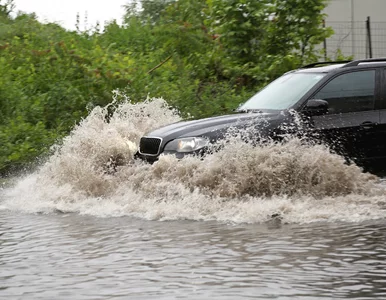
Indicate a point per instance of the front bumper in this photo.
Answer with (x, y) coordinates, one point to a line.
(179, 155)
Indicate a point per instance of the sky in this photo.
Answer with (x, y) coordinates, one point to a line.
(64, 11)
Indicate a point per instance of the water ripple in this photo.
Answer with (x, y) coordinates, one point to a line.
(70, 256)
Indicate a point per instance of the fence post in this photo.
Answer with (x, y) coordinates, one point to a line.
(368, 29)
(353, 52)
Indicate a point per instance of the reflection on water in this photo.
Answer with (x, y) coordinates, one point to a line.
(66, 256)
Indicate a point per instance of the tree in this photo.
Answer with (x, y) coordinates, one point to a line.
(268, 37)
(296, 25)
(149, 10)
(6, 7)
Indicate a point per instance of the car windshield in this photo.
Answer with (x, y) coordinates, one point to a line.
(283, 92)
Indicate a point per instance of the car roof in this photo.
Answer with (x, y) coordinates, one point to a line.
(324, 69)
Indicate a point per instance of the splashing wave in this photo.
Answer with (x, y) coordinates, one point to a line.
(239, 183)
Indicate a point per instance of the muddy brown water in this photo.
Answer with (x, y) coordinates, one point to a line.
(68, 256)
(197, 228)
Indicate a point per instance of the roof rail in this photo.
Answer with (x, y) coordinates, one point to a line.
(326, 63)
(368, 60)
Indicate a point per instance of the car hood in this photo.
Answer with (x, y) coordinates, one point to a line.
(215, 127)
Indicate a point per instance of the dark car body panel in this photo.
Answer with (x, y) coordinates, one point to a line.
(215, 127)
(346, 134)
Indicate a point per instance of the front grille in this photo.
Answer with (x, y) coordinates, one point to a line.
(149, 145)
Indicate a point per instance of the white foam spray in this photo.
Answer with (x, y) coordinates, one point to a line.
(239, 183)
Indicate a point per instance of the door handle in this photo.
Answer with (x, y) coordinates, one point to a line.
(368, 125)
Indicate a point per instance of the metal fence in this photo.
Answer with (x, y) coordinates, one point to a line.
(360, 39)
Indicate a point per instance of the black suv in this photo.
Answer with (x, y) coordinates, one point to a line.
(340, 103)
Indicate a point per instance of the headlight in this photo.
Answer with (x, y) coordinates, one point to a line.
(189, 144)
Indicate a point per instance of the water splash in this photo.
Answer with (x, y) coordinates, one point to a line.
(238, 183)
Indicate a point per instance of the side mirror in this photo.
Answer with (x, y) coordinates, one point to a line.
(316, 107)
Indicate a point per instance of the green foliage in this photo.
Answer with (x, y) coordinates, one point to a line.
(266, 37)
(21, 142)
(6, 7)
(204, 57)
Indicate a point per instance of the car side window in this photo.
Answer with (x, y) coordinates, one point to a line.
(349, 92)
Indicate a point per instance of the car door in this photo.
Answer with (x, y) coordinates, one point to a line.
(381, 145)
(351, 126)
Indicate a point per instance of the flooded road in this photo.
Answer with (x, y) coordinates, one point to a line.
(67, 256)
(274, 221)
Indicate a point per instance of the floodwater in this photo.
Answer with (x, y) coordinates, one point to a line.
(280, 221)
(67, 256)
